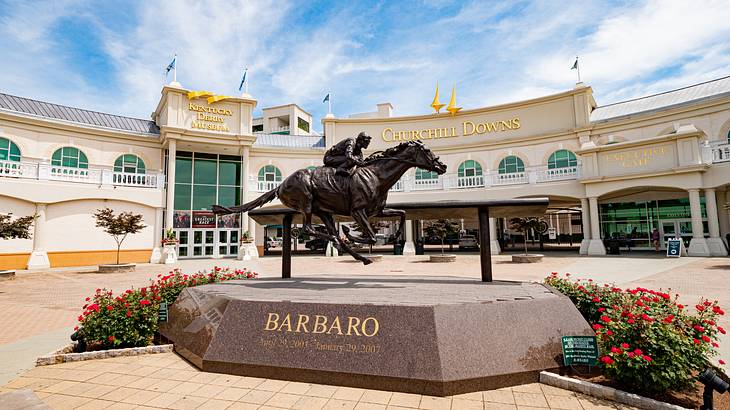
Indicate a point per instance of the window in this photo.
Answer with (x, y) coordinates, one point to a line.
(258, 128)
(8, 150)
(130, 164)
(311, 167)
(69, 157)
(562, 159)
(469, 168)
(303, 125)
(728, 137)
(269, 173)
(422, 174)
(511, 165)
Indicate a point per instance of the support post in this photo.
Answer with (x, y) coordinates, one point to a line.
(286, 247)
(485, 253)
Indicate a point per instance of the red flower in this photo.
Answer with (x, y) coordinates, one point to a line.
(721, 361)
(705, 338)
(111, 338)
(721, 330)
(609, 332)
(630, 321)
(144, 302)
(596, 326)
(81, 318)
(699, 328)
(605, 319)
(637, 351)
(630, 354)
(668, 319)
(87, 299)
(615, 349)
(625, 345)
(109, 308)
(129, 313)
(596, 299)
(647, 358)
(715, 344)
(601, 309)
(696, 341)
(76, 328)
(607, 360)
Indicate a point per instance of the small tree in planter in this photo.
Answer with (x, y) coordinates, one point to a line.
(246, 237)
(118, 226)
(526, 224)
(441, 228)
(15, 229)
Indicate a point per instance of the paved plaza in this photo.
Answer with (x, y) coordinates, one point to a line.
(38, 311)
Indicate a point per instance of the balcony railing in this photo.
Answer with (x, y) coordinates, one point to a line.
(98, 176)
(718, 152)
(266, 186)
(512, 178)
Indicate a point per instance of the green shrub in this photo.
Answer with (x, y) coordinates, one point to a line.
(130, 319)
(648, 341)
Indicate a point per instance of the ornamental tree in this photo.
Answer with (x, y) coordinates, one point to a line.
(526, 224)
(15, 229)
(441, 228)
(118, 226)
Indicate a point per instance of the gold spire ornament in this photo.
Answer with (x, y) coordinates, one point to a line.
(436, 105)
(452, 108)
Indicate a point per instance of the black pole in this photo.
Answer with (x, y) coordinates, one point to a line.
(286, 247)
(485, 252)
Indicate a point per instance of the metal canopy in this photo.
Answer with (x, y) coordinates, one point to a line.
(467, 210)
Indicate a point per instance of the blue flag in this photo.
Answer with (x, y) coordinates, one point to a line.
(243, 79)
(171, 65)
(327, 98)
(575, 65)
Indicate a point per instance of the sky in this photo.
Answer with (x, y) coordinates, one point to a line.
(110, 56)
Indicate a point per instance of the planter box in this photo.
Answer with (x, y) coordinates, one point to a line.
(66, 354)
(527, 258)
(442, 258)
(113, 268)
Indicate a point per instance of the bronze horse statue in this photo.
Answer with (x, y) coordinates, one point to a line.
(362, 195)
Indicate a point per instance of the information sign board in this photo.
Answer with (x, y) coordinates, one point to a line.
(674, 248)
(580, 350)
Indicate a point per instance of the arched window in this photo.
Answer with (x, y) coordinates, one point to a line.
(269, 177)
(129, 164)
(562, 159)
(69, 157)
(311, 167)
(422, 174)
(469, 168)
(8, 150)
(510, 165)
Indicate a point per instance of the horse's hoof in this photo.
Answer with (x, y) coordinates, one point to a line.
(367, 261)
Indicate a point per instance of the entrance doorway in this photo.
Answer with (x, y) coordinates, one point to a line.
(207, 243)
(678, 228)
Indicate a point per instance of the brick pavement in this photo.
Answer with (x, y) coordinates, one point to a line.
(167, 381)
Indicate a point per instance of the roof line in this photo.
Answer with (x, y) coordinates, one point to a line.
(665, 92)
(76, 108)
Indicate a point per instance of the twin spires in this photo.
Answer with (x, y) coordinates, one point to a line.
(452, 108)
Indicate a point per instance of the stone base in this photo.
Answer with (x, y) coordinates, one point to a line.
(717, 247)
(595, 247)
(170, 255)
(527, 258)
(698, 247)
(38, 260)
(113, 268)
(247, 252)
(442, 258)
(331, 250)
(7, 274)
(494, 247)
(409, 249)
(428, 335)
(156, 256)
(584, 247)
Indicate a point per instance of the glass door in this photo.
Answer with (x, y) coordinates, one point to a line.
(183, 249)
(668, 231)
(227, 242)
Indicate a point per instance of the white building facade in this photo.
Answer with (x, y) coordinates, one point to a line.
(613, 172)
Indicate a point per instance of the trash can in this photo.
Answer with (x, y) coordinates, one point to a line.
(419, 247)
(613, 247)
(397, 249)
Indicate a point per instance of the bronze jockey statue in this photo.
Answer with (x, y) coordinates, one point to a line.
(347, 154)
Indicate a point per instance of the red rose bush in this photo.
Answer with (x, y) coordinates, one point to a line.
(130, 318)
(647, 340)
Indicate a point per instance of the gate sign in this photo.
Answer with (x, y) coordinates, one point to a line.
(580, 350)
(203, 219)
(674, 248)
(552, 233)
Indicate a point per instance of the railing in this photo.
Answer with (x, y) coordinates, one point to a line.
(98, 176)
(475, 181)
(427, 184)
(398, 187)
(557, 174)
(512, 178)
(266, 186)
(719, 152)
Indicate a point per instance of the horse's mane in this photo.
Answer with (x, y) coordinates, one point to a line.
(390, 152)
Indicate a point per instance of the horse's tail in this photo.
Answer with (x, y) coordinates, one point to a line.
(263, 199)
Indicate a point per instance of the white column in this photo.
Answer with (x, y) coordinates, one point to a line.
(39, 257)
(493, 237)
(698, 244)
(409, 248)
(170, 204)
(714, 242)
(724, 216)
(595, 246)
(157, 241)
(586, 219)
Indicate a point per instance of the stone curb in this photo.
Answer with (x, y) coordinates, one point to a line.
(605, 392)
(65, 355)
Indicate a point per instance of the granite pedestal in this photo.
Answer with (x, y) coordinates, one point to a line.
(434, 336)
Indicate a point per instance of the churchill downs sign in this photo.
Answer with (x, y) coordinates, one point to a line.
(466, 129)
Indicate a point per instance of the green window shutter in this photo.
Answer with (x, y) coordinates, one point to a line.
(511, 165)
(562, 159)
(8, 150)
(424, 174)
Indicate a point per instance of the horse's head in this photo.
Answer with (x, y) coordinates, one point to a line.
(422, 157)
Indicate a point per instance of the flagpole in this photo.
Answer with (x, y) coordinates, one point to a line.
(329, 104)
(577, 67)
(174, 69)
(248, 78)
